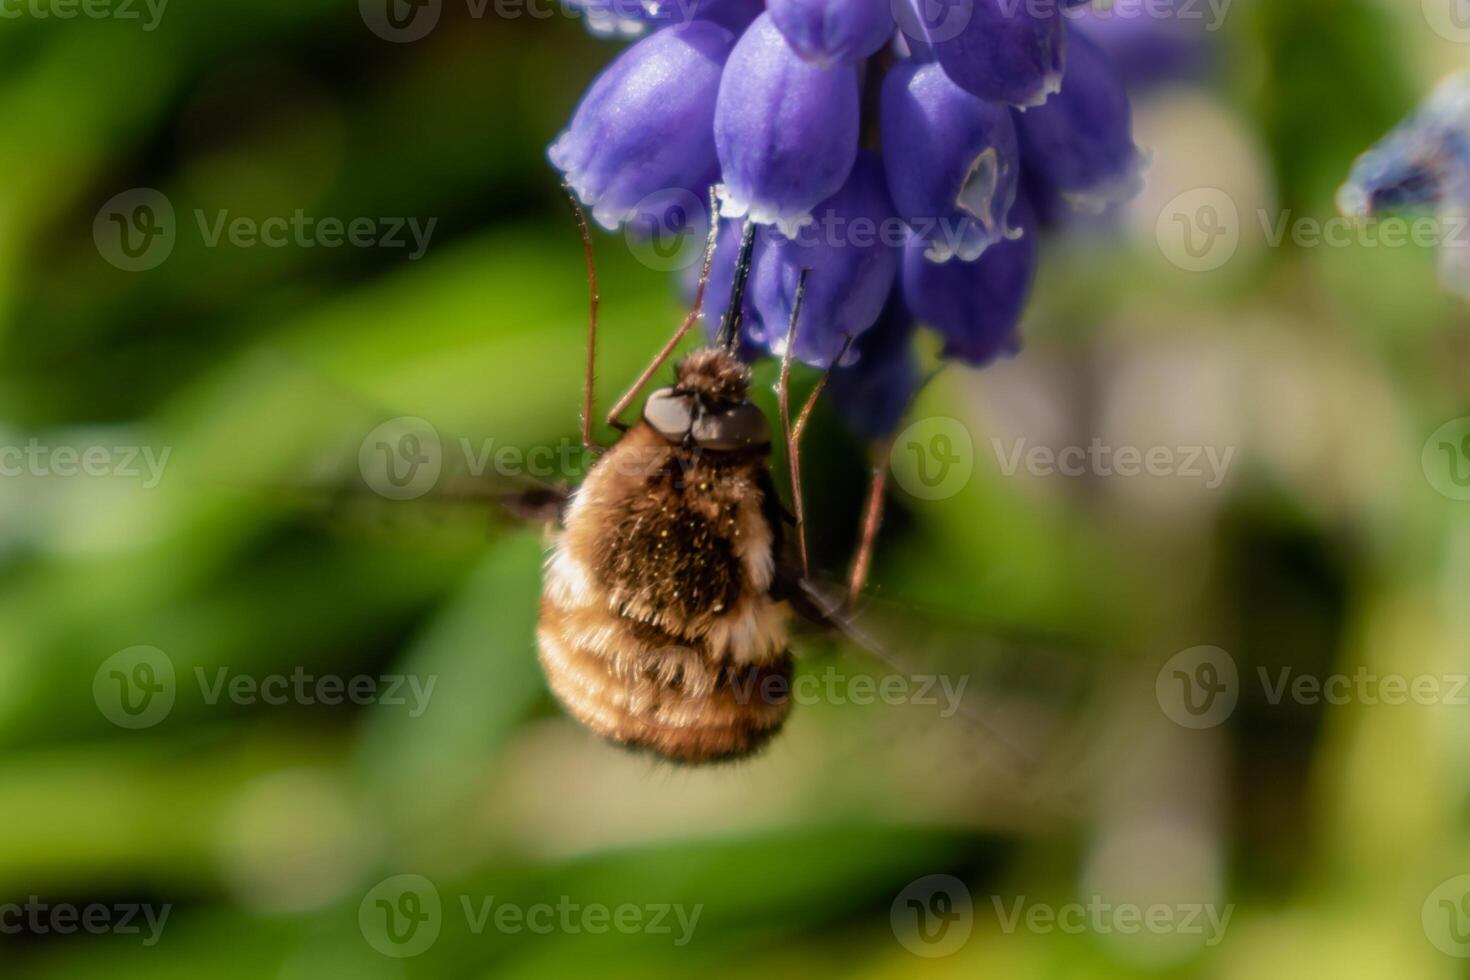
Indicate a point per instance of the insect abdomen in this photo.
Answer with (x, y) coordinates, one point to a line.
(667, 699)
(657, 626)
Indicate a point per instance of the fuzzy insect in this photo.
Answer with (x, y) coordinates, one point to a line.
(667, 596)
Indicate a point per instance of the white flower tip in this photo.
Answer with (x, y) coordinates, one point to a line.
(601, 23)
(730, 205)
(1105, 193)
(790, 226)
(940, 252)
(1051, 84)
(558, 150)
(1352, 202)
(733, 205)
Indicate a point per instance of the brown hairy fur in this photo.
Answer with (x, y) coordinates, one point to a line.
(658, 629)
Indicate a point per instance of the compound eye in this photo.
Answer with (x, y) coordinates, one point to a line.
(743, 427)
(669, 413)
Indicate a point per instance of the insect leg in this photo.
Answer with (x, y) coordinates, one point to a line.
(684, 328)
(589, 387)
(873, 508)
(872, 521)
(783, 399)
(792, 432)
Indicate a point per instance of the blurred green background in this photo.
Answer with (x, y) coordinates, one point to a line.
(270, 831)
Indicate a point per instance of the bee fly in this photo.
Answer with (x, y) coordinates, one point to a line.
(666, 598)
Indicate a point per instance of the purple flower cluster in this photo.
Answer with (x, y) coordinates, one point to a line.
(901, 159)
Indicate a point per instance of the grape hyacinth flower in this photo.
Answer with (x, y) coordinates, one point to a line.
(786, 131)
(827, 32)
(976, 307)
(872, 395)
(1423, 163)
(1010, 51)
(852, 271)
(953, 163)
(646, 126)
(1148, 50)
(930, 224)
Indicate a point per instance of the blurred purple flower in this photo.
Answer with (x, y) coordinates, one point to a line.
(1079, 146)
(1147, 49)
(1423, 163)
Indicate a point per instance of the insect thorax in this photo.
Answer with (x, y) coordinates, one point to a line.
(675, 535)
